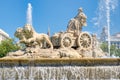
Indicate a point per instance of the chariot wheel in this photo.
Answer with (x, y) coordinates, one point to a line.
(55, 41)
(66, 41)
(84, 41)
(40, 45)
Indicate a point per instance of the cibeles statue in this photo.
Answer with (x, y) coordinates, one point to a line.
(31, 38)
(75, 24)
(72, 43)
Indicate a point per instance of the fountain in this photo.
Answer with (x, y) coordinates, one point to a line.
(109, 6)
(29, 14)
(104, 16)
(108, 23)
(59, 69)
(70, 55)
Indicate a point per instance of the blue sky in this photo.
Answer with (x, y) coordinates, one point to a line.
(52, 13)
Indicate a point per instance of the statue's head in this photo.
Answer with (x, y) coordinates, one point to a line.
(27, 27)
(80, 10)
(19, 33)
(19, 30)
(82, 17)
(28, 30)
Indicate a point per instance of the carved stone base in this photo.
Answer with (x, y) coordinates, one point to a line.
(56, 53)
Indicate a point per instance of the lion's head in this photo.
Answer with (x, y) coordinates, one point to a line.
(28, 31)
(19, 33)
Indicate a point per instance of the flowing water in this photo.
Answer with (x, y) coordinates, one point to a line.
(29, 14)
(103, 19)
(60, 73)
(108, 22)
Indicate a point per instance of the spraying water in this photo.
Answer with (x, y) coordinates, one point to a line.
(60, 73)
(108, 23)
(103, 18)
(110, 5)
(29, 14)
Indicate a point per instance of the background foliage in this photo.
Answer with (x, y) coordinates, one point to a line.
(8, 45)
(113, 49)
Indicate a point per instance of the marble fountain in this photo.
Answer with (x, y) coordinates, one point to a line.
(69, 55)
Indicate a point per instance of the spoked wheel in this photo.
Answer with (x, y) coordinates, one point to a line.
(66, 41)
(55, 41)
(84, 41)
(41, 45)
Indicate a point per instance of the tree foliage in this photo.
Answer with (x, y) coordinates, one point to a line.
(113, 49)
(6, 46)
(104, 47)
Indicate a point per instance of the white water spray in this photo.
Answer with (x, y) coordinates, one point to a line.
(110, 5)
(59, 73)
(103, 18)
(108, 23)
(29, 14)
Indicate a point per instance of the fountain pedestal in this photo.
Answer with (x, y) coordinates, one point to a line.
(60, 62)
(59, 69)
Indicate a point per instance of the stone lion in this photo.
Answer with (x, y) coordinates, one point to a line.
(36, 37)
(20, 34)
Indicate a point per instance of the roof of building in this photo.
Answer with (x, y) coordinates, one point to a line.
(115, 37)
(4, 33)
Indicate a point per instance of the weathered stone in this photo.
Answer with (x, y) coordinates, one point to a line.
(31, 38)
(68, 52)
(40, 46)
(17, 53)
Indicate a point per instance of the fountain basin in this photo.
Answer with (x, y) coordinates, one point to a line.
(60, 69)
(60, 62)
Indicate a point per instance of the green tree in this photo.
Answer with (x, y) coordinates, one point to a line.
(6, 46)
(113, 49)
(104, 47)
(117, 52)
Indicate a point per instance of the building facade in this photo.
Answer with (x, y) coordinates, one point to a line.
(115, 40)
(3, 35)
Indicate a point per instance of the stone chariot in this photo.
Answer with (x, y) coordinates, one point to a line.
(74, 37)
